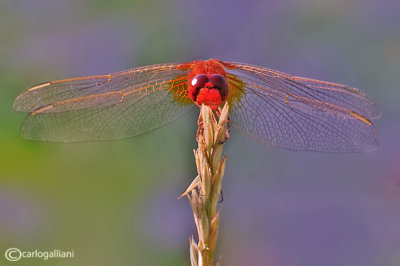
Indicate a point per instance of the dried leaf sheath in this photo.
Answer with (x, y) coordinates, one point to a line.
(204, 191)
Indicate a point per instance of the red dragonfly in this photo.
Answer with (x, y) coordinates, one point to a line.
(272, 107)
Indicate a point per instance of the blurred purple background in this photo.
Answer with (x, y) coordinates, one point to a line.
(115, 203)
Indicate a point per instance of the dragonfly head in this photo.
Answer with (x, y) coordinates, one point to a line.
(210, 90)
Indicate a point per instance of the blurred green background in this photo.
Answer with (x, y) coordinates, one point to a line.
(115, 203)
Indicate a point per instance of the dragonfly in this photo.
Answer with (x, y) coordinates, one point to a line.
(272, 107)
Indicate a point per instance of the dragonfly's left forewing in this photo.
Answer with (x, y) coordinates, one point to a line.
(289, 112)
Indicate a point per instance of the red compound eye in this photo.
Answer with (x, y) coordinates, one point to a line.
(220, 83)
(199, 81)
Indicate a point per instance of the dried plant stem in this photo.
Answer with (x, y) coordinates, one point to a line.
(204, 191)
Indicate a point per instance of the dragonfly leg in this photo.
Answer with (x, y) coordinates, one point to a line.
(221, 197)
(199, 127)
(228, 132)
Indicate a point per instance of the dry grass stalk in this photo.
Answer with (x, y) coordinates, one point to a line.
(204, 191)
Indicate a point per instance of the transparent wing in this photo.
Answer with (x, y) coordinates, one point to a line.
(105, 107)
(83, 92)
(301, 114)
